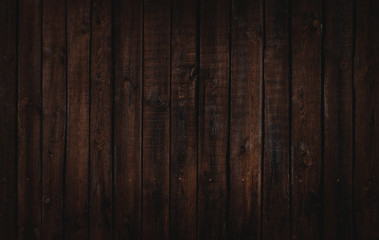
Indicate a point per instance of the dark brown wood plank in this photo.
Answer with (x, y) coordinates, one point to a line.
(77, 155)
(366, 84)
(338, 115)
(276, 168)
(156, 120)
(306, 121)
(101, 121)
(8, 111)
(127, 118)
(246, 119)
(29, 120)
(213, 119)
(184, 75)
(53, 117)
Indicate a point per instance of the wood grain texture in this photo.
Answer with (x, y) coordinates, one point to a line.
(101, 154)
(53, 117)
(213, 120)
(29, 120)
(306, 139)
(246, 119)
(184, 76)
(338, 160)
(366, 84)
(78, 107)
(276, 168)
(127, 118)
(8, 122)
(156, 120)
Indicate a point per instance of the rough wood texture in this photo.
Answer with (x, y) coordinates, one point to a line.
(53, 117)
(127, 118)
(338, 160)
(8, 122)
(213, 120)
(276, 168)
(78, 109)
(246, 119)
(366, 85)
(156, 120)
(100, 215)
(29, 120)
(306, 139)
(184, 76)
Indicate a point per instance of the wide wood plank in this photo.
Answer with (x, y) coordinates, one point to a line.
(306, 118)
(53, 117)
(100, 214)
(366, 84)
(8, 121)
(338, 115)
(246, 119)
(127, 118)
(156, 120)
(78, 105)
(29, 120)
(276, 167)
(184, 75)
(213, 120)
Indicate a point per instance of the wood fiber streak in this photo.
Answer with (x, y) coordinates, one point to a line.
(338, 162)
(156, 120)
(366, 84)
(213, 119)
(78, 107)
(8, 111)
(53, 117)
(306, 121)
(101, 121)
(184, 76)
(127, 118)
(276, 168)
(29, 120)
(246, 119)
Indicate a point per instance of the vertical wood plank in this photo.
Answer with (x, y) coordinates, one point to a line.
(53, 117)
(246, 119)
(306, 118)
(156, 120)
(29, 120)
(366, 84)
(184, 74)
(213, 119)
(78, 104)
(8, 111)
(338, 115)
(128, 31)
(276, 168)
(100, 214)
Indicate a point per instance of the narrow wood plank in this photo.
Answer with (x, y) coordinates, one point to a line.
(156, 120)
(246, 119)
(8, 111)
(276, 168)
(77, 159)
(53, 117)
(29, 120)
(184, 75)
(366, 84)
(127, 118)
(101, 121)
(306, 121)
(338, 160)
(213, 119)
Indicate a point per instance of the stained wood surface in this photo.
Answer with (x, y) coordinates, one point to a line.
(180, 119)
(338, 115)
